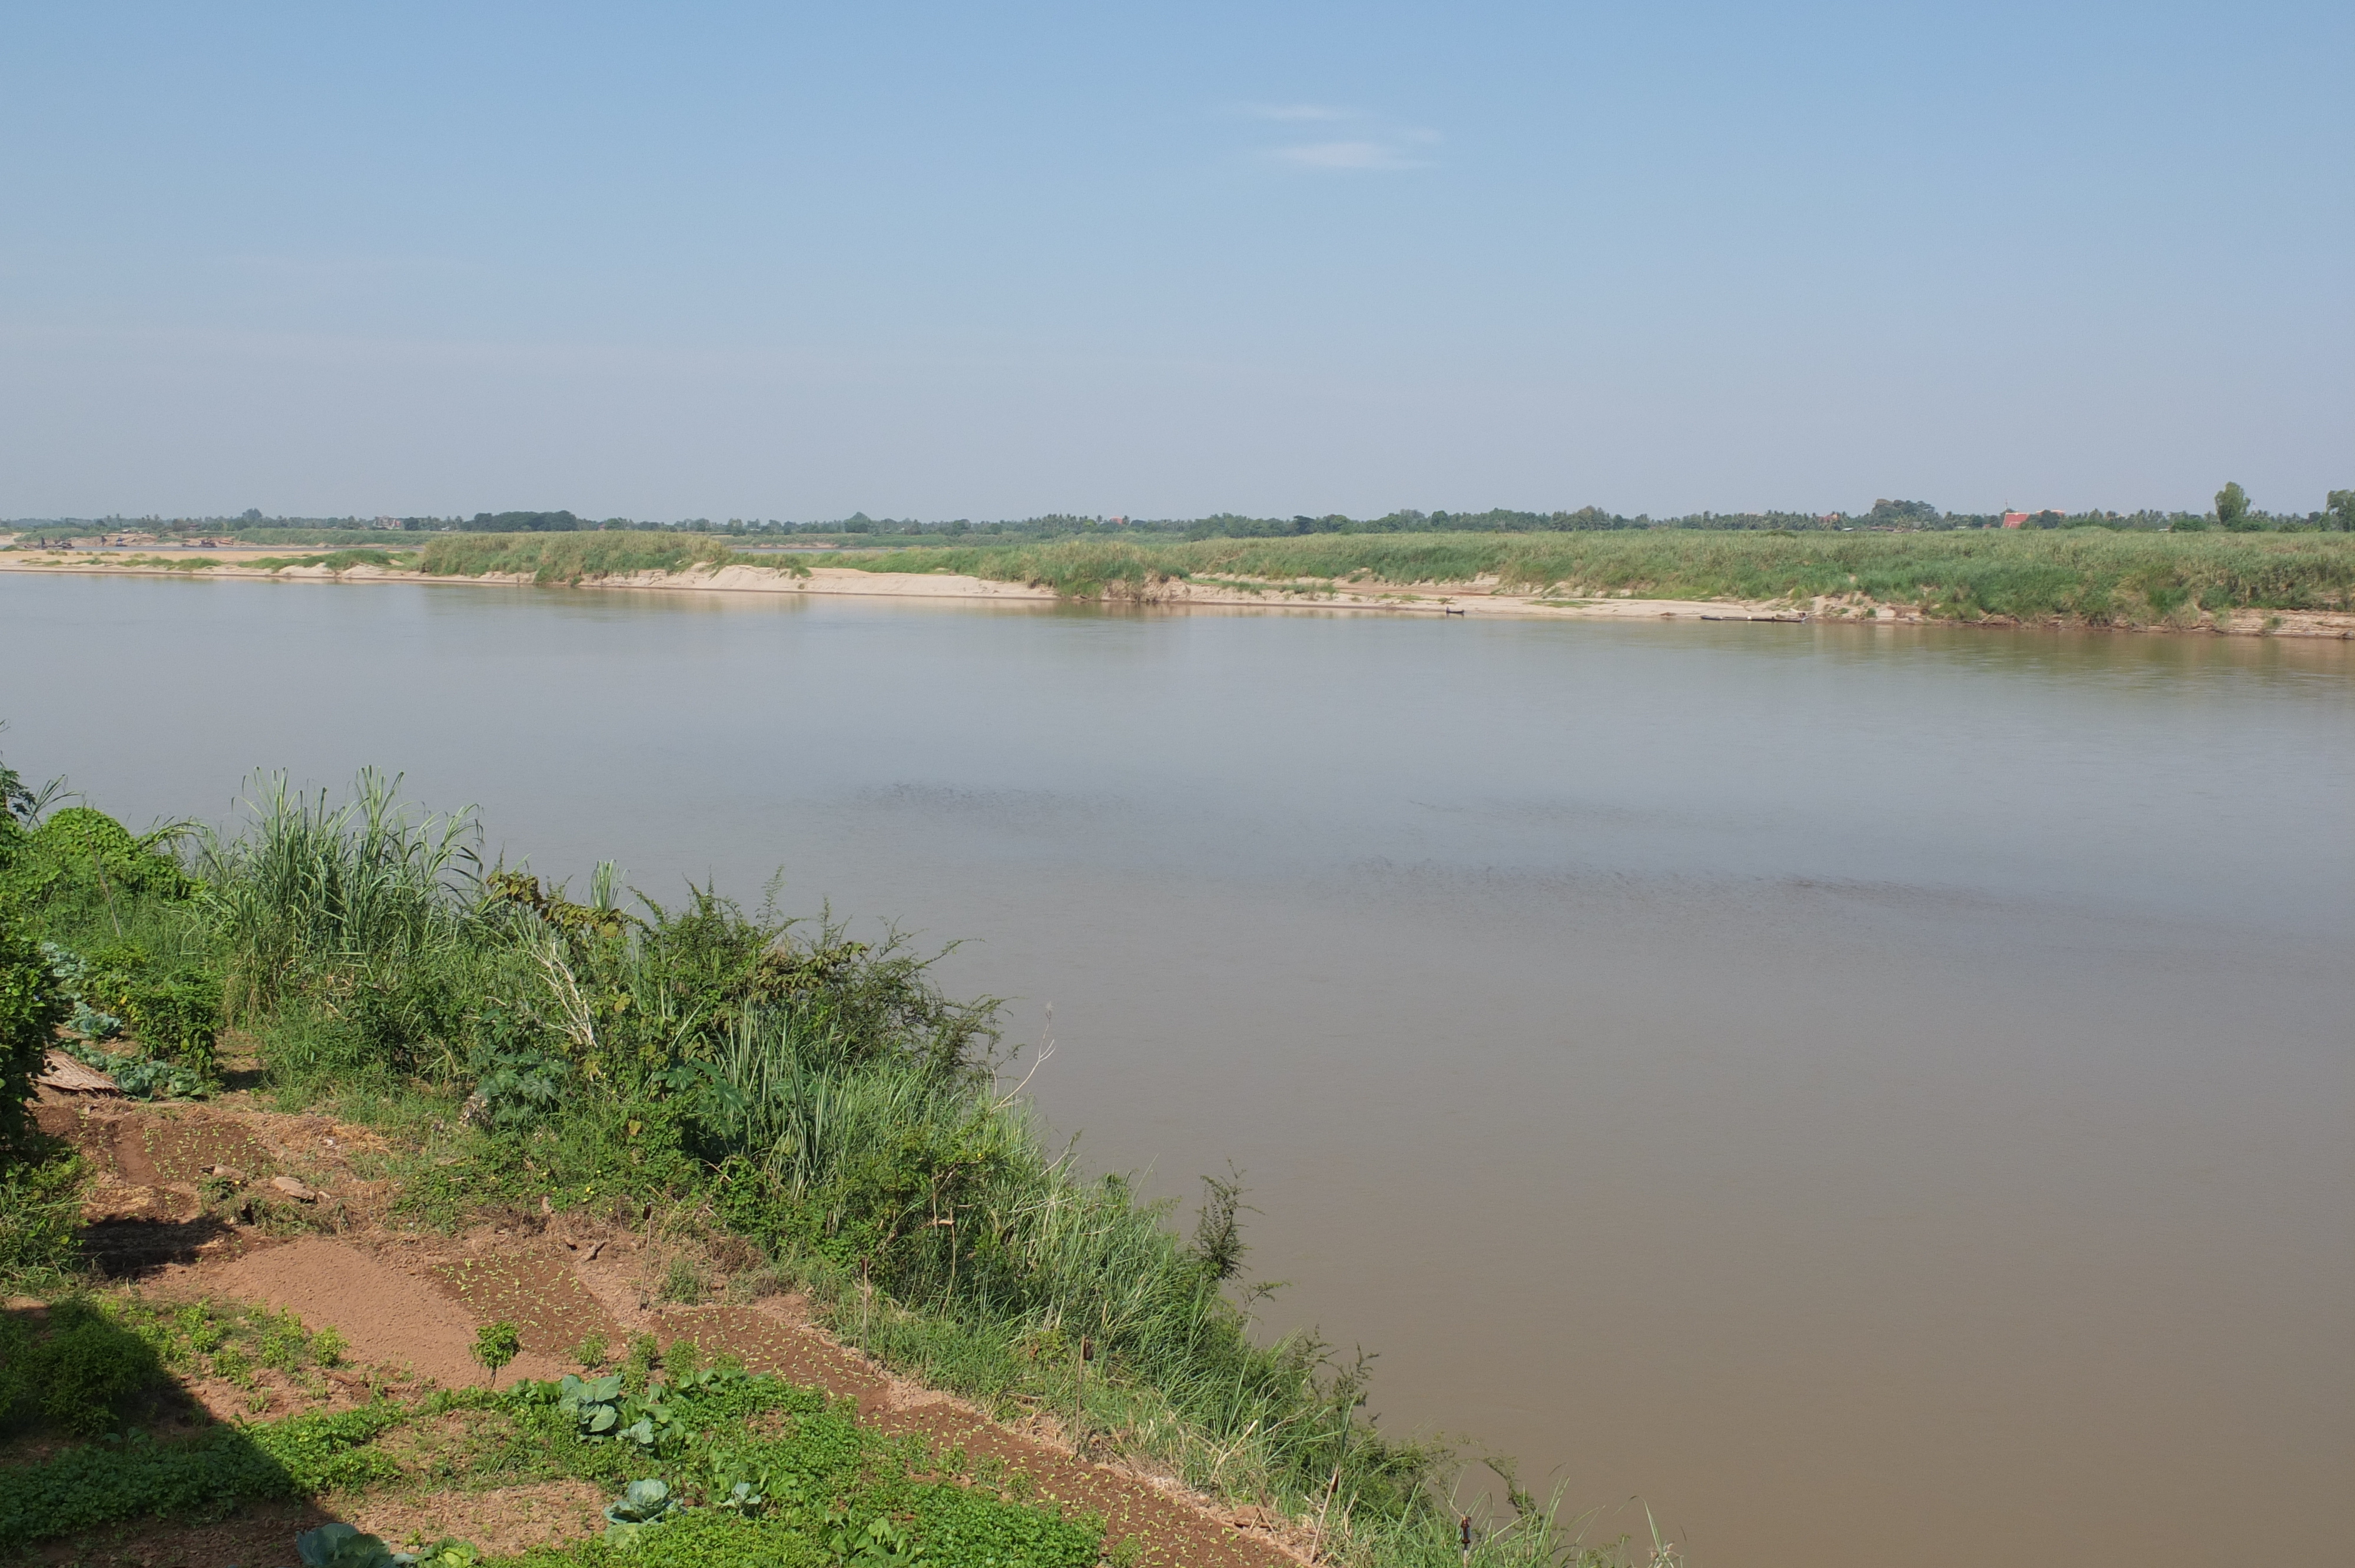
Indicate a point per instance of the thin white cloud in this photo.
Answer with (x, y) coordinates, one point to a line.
(1297, 112)
(1334, 156)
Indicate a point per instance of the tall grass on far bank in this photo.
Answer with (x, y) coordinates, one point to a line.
(2093, 575)
(569, 557)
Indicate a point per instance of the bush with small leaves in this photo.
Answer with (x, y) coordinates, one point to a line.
(495, 1345)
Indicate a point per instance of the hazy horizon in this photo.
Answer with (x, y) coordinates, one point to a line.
(721, 261)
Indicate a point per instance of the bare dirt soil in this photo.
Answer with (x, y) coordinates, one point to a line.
(184, 1205)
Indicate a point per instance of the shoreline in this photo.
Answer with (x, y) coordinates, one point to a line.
(1482, 599)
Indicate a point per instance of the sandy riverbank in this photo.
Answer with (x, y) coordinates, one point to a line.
(1482, 599)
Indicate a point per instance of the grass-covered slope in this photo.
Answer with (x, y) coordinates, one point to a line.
(2087, 574)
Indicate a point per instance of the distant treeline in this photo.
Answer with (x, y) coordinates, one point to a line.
(2233, 512)
(1897, 516)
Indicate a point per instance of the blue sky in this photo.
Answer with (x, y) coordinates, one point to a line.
(991, 260)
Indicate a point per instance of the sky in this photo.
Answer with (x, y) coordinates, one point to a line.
(994, 261)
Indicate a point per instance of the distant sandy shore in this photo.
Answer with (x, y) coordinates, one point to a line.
(1474, 599)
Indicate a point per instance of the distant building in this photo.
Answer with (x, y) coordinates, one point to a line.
(2014, 519)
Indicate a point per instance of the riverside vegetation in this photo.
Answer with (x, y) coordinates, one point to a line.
(730, 1075)
(2092, 576)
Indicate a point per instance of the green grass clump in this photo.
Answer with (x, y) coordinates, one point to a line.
(569, 557)
(166, 563)
(2090, 574)
(73, 1373)
(334, 560)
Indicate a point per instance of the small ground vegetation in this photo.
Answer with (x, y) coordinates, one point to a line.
(731, 1467)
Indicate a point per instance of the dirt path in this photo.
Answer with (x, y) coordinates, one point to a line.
(411, 1303)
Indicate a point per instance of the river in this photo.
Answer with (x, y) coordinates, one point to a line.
(1879, 1094)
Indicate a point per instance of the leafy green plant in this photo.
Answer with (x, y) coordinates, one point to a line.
(178, 1014)
(643, 1506)
(495, 1346)
(72, 972)
(594, 1404)
(341, 1546)
(882, 1542)
(518, 1077)
(32, 1004)
(745, 1498)
(148, 1077)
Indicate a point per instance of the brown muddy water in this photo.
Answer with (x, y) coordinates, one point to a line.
(1881, 1096)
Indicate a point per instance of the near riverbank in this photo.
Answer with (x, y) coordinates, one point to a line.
(2274, 584)
(331, 1111)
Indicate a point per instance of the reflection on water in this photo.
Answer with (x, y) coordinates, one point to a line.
(1880, 1093)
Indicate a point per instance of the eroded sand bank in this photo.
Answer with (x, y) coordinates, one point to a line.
(1479, 597)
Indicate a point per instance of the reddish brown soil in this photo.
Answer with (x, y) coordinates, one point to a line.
(536, 1292)
(407, 1301)
(390, 1316)
(509, 1519)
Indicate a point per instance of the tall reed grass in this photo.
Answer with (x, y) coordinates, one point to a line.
(568, 557)
(370, 881)
(932, 1187)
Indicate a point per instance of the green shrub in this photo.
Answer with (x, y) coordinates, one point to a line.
(132, 863)
(41, 1213)
(169, 1013)
(495, 1346)
(32, 1005)
(74, 1373)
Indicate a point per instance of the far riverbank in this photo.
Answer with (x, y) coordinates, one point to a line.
(2294, 586)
